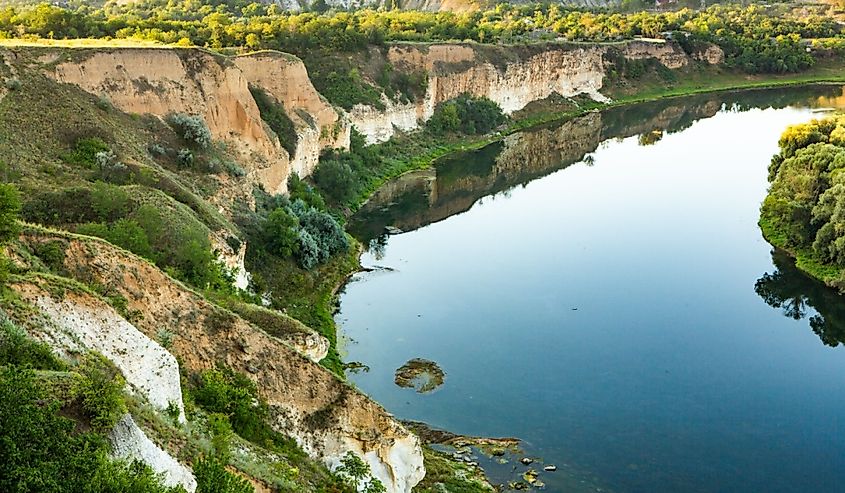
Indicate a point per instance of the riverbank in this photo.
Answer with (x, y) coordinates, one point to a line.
(804, 260)
(725, 84)
(419, 150)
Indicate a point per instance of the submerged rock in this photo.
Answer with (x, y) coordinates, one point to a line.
(420, 374)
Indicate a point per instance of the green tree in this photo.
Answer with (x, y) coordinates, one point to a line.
(10, 206)
(280, 233)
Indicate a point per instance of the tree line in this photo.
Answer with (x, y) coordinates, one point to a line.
(755, 38)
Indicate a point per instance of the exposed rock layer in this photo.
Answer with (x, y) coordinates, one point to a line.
(326, 416)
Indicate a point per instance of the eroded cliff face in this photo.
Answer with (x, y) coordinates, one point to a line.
(166, 81)
(327, 417)
(669, 54)
(512, 76)
(78, 322)
(129, 442)
(318, 124)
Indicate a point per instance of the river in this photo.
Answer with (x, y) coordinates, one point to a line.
(601, 290)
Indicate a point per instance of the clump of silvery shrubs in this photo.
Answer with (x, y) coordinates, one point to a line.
(13, 84)
(111, 170)
(185, 158)
(192, 128)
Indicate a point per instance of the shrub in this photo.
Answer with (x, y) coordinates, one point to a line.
(18, 350)
(222, 390)
(233, 395)
(71, 205)
(156, 150)
(52, 253)
(192, 128)
(234, 169)
(85, 151)
(103, 103)
(101, 391)
(125, 233)
(356, 473)
(10, 207)
(467, 115)
(109, 201)
(109, 168)
(13, 84)
(324, 230)
(41, 451)
(336, 179)
(212, 477)
(309, 251)
(280, 235)
(299, 190)
(185, 158)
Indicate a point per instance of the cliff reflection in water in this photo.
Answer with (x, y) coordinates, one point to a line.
(796, 294)
(457, 182)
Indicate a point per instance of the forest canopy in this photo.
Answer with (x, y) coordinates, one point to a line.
(804, 211)
(755, 38)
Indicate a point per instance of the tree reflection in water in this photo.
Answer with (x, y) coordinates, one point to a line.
(795, 294)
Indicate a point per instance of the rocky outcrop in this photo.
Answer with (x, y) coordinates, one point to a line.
(326, 416)
(129, 442)
(511, 76)
(232, 253)
(165, 81)
(82, 322)
(669, 54)
(711, 54)
(318, 124)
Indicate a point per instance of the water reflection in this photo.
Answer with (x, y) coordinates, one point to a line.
(459, 181)
(796, 295)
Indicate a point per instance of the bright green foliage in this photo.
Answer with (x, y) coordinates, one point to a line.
(85, 151)
(805, 207)
(300, 190)
(212, 477)
(357, 473)
(467, 115)
(280, 233)
(221, 434)
(233, 396)
(110, 202)
(222, 390)
(10, 206)
(125, 233)
(101, 391)
(273, 113)
(41, 451)
(16, 349)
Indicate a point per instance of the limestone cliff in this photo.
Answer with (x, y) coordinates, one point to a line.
(193, 81)
(512, 76)
(326, 416)
(165, 81)
(318, 125)
(75, 323)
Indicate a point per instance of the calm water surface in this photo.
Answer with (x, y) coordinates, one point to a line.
(601, 290)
